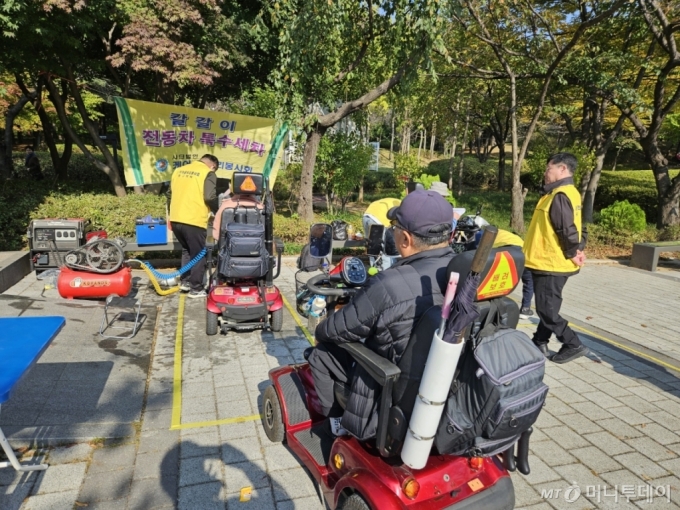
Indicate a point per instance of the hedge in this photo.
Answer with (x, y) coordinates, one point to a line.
(636, 186)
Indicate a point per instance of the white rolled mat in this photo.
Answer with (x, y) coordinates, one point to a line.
(434, 388)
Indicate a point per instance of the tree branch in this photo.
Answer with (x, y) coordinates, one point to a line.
(352, 106)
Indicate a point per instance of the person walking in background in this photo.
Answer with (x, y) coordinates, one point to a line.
(32, 164)
(553, 251)
(505, 238)
(193, 190)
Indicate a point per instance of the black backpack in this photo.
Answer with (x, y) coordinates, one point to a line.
(497, 393)
(306, 262)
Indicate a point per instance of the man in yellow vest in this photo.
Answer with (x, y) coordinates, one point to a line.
(553, 249)
(505, 238)
(194, 196)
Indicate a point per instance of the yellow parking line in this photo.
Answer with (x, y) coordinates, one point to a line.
(626, 348)
(175, 423)
(292, 311)
(177, 375)
(619, 345)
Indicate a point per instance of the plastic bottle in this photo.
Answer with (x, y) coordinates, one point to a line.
(318, 306)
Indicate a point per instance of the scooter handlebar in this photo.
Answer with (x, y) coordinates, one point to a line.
(325, 291)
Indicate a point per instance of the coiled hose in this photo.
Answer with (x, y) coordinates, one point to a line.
(155, 275)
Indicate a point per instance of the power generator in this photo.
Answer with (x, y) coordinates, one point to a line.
(50, 239)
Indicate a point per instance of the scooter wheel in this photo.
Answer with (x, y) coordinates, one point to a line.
(211, 324)
(272, 419)
(277, 320)
(354, 502)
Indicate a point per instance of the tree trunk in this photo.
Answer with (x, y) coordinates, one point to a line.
(668, 190)
(501, 165)
(591, 188)
(461, 162)
(305, 203)
(111, 172)
(455, 141)
(432, 139)
(616, 158)
(392, 138)
(518, 194)
(59, 163)
(10, 115)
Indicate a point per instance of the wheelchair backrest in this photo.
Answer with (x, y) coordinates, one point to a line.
(247, 183)
(501, 274)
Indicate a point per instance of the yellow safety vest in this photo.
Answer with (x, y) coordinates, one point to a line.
(188, 203)
(542, 250)
(505, 238)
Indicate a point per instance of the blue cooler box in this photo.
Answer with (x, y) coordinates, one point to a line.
(151, 231)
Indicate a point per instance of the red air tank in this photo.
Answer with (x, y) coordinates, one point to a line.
(83, 284)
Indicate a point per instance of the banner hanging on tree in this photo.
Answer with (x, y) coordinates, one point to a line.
(157, 138)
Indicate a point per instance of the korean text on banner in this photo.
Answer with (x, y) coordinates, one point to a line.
(157, 138)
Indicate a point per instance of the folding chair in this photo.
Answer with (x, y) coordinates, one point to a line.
(133, 306)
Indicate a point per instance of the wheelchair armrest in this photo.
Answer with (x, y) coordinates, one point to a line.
(385, 373)
(280, 247)
(379, 368)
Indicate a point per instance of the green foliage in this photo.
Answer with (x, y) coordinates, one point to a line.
(407, 166)
(341, 49)
(342, 161)
(113, 214)
(670, 129)
(636, 186)
(260, 102)
(475, 174)
(376, 182)
(623, 217)
(542, 150)
(287, 186)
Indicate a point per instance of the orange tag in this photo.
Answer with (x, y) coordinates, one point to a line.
(475, 485)
(248, 184)
(501, 279)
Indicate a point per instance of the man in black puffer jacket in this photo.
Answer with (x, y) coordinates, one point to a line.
(383, 314)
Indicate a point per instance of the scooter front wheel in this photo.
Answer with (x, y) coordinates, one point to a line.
(211, 323)
(272, 418)
(354, 502)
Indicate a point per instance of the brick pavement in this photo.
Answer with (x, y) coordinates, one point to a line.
(611, 419)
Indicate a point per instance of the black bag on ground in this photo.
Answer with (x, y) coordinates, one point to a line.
(497, 394)
(339, 230)
(306, 262)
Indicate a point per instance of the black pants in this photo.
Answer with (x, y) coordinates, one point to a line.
(527, 288)
(330, 363)
(192, 239)
(548, 289)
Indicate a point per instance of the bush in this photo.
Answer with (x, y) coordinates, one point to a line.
(406, 166)
(636, 186)
(376, 182)
(475, 174)
(108, 212)
(623, 217)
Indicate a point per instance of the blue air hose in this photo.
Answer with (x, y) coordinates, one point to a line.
(179, 272)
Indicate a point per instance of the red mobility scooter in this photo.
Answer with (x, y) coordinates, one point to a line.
(356, 475)
(242, 294)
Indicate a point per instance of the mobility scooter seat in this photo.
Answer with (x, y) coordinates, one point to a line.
(400, 382)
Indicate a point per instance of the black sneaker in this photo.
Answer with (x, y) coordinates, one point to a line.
(543, 348)
(568, 354)
(525, 313)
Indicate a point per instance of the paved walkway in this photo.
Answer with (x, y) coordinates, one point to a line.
(611, 420)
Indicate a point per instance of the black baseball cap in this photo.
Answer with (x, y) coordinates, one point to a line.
(422, 210)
